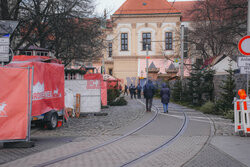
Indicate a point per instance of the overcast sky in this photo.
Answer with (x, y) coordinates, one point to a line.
(112, 5)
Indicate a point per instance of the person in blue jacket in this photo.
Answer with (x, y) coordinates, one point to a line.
(138, 88)
(149, 91)
(165, 97)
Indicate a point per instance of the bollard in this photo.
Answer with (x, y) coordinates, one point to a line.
(78, 105)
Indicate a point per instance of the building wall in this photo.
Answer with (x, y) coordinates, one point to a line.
(130, 63)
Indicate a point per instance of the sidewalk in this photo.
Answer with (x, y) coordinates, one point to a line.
(227, 141)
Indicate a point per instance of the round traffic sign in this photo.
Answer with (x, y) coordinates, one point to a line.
(244, 45)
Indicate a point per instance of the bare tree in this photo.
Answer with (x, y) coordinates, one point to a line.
(217, 26)
(67, 27)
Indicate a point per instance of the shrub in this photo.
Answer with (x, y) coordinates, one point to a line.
(157, 93)
(229, 115)
(120, 101)
(112, 95)
(208, 108)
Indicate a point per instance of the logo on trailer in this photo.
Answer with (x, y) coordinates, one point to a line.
(38, 88)
(40, 93)
(3, 113)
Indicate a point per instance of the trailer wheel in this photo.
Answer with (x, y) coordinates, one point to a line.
(52, 121)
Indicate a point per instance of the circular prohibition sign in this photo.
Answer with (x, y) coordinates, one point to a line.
(244, 45)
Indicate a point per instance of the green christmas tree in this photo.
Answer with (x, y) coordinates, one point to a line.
(194, 85)
(227, 96)
(176, 91)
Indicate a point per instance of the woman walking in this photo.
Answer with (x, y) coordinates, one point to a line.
(165, 96)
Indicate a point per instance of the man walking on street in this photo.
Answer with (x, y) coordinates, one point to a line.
(165, 96)
(138, 88)
(131, 91)
(125, 89)
(134, 91)
(149, 91)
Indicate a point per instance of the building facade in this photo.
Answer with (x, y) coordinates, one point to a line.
(141, 30)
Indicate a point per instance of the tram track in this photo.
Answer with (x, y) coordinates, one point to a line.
(164, 145)
(98, 146)
(137, 159)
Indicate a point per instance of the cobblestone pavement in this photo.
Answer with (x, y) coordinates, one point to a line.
(164, 127)
(93, 130)
(77, 129)
(211, 156)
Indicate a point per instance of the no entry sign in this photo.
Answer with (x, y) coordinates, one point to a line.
(244, 45)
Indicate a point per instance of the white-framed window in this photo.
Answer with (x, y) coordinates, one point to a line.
(110, 49)
(168, 41)
(146, 40)
(124, 41)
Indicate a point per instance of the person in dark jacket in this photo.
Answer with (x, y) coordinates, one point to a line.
(134, 91)
(131, 91)
(149, 91)
(126, 90)
(138, 88)
(165, 97)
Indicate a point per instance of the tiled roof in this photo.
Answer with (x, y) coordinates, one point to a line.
(131, 7)
(184, 7)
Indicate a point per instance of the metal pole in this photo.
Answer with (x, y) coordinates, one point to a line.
(147, 61)
(248, 18)
(247, 83)
(182, 51)
(30, 94)
(248, 33)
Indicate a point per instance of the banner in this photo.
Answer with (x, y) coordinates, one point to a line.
(13, 103)
(48, 86)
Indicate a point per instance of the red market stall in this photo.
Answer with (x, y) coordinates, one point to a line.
(102, 84)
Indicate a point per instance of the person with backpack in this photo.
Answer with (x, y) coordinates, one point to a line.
(149, 91)
(165, 97)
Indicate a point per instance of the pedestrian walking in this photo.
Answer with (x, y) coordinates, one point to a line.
(131, 91)
(138, 88)
(134, 91)
(125, 89)
(165, 97)
(149, 91)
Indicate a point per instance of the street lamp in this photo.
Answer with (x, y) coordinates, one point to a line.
(147, 61)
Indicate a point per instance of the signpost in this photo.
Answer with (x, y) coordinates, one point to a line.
(244, 45)
(245, 70)
(244, 62)
(4, 48)
(7, 27)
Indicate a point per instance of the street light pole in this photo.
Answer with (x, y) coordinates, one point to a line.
(182, 52)
(147, 61)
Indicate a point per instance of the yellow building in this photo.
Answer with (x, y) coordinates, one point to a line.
(135, 24)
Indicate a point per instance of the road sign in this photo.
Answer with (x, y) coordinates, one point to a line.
(245, 70)
(4, 48)
(244, 45)
(243, 61)
(4, 57)
(7, 26)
